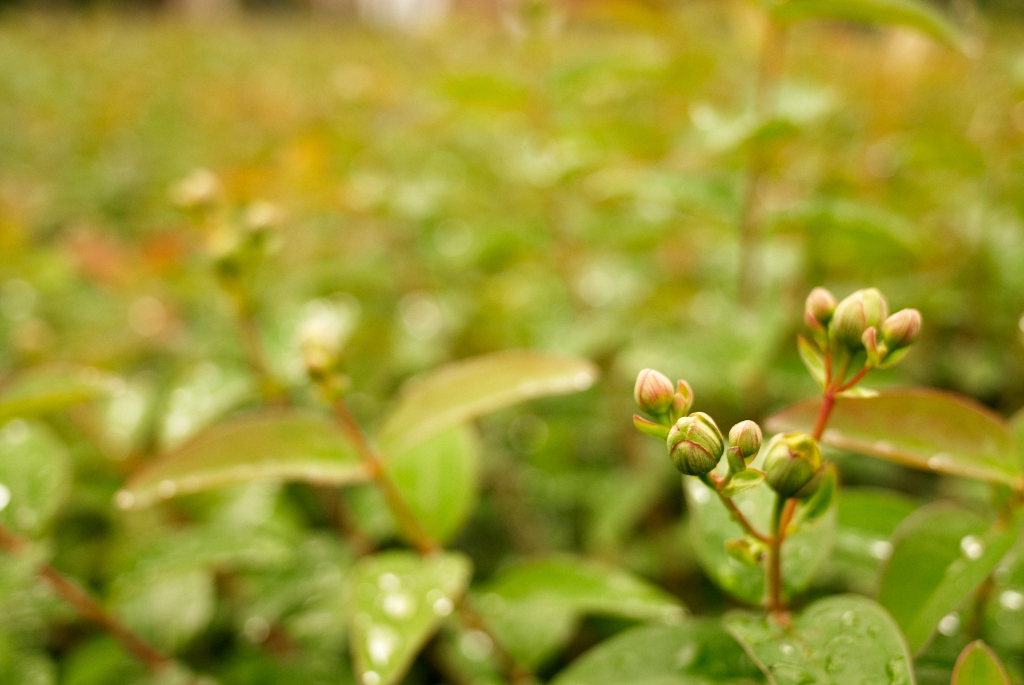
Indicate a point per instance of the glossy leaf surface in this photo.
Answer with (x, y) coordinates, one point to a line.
(464, 390)
(914, 14)
(834, 641)
(398, 600)
(275, 446)
(711, 527)
(698, 652)
(926, 429)
(978, 665)
(35, 475)
(534, 606)
(48, 389)
(940, 555)
(440, 479)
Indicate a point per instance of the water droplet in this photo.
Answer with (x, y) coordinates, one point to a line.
(124, 499)
(582, 380)
(949, 624)
(701, 494)
(972, 547)
(398, 605)
(443, 606)
(880, 549)
(371, 678)
(389, 582)
(1012, 600)
(786, 648)
(476, 645)
(938, 460)
(849, 618)
(381, 643)
(5, 496)
(166, 489)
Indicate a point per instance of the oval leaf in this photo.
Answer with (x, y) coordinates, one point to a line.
(711, 527)
(273, 446)
(698, 652)
(913, 14)
(465, 390)
(1004, 622)
(978, 665)
(926, 429)
(440, 479)
(398, 600)
(534, 606)
(49, 389)
(834, 641)
(941, 554)
(35, 475)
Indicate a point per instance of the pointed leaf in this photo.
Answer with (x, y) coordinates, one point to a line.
(834, 641)
(923, 428)
(978, 665)
(711, 527)
(812, 359)
(398, 600)
(915, 14)
(168, 608)
(534, 606)
(1004, 622)
(440, 479)
(698, 652)
(747, 479)
(35, 475)
(272, 446)
(465, 390)
(941, 554)
(49, 389)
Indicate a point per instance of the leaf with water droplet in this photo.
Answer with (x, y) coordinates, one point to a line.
(35, 475)
(167, 608)
(271, 446)
(941, 553)
(711, 526)
(1004, 619)
(467, 389)
(697, 652)
(978, 665)
(397, 600)
(50, 389)
(923, 428)
(535, 606)
(834, 641)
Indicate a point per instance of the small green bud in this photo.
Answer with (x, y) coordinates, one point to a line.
(819, 307)
(742, 551)
(695, 444)
(856, 313)
(876, 349)
(792, 464)
(737, 464)
(653, 392)
(902, 329)
(746, 435)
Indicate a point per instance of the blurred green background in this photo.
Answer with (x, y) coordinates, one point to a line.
(565, 178)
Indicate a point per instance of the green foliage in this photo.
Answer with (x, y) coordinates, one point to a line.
(915, 14)
(978, 665)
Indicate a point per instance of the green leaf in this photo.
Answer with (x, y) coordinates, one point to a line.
(711, 527)
(748, 479)
(812, 359)
(1004, 620)
(465, 390)
(940, 555)
(272, 446)
(168, 608)
(835, 641)
(35, 475)
(49, 389)
(923, 428)
(698, 652)
(534, 606)
(978, 665)
(398, 600)
(866, 519)
(820, 502)
(440, 479)
(915, 14)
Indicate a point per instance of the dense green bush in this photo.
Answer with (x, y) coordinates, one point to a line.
(246, 411)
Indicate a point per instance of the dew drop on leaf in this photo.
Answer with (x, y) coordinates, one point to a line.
(1012, 600)
(949, 624)
(972, 547)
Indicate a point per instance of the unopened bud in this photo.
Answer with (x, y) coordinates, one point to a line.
(262, 216)
(199, 190)
(819, 307)
(876, 349)
(792, 464)
(653, 392)
(856, 313)
(902, 329)
(742, 551)
(747, 436)
(695, 444)
(682, 401)
(322, 335)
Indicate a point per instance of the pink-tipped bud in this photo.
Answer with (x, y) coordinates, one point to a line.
(856, 313)
(653, 392)
(902, 328)
(819, 307)
(746, 435)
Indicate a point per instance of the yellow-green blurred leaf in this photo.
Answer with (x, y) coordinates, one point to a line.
(978, 665)
(915, 14)
(49, 389)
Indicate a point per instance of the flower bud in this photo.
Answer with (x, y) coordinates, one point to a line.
(682, 401)
(695, 444)
(322, 335)
(902, 329)
(747, 436)
(653, 392)
(792, 464)
(856, 313)
(876, 349)
(199, 190)
(819, 307)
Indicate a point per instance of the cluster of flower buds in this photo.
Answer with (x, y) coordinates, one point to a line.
(695, 444)
(861, 323)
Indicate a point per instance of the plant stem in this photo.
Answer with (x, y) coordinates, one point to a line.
(712, 482)
(252, 342)
(828, 401)
(769, 71)
(87, 607)
(775, 603)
